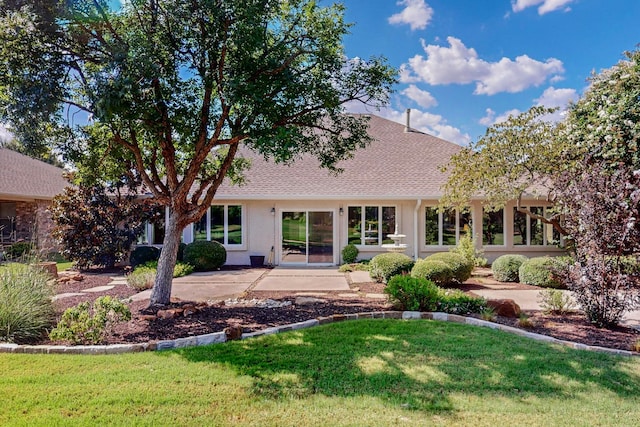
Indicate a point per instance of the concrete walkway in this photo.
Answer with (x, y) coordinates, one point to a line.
(303, 279)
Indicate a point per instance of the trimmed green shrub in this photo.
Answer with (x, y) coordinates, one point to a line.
(84, 325)
(142, 277)
(505, 268)
(205, 255)
(143, 254)
(350, 254)
(181, 247)
(26, 310)
(384, 266)
(539, 272)
(459, 265)
(411, 293)
(438, 272)
(454, 301)
(18, 250)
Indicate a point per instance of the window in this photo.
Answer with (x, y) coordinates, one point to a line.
(222, 223)
(7, 219)
(370, 225)
(533, 232)
(493, 228)
(445, 228)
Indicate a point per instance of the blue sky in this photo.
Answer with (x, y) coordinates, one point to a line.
(467, 63)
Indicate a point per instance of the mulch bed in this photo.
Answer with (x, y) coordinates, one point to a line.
(216, 317)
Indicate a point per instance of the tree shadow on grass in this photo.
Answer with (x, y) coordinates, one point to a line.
(415, 365)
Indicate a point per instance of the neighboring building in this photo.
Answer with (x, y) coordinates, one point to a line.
(307, 215)
(27, 187)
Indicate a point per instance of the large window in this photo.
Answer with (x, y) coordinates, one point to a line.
(493, 228)
(528, 231)
(445, 228)
(370, 225)
(222, 223)
(7, 220)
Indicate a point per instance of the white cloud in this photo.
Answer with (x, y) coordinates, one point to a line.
(461, 65)
(416, 13)
(560, 98)
(546, 6)
(421, 97)
(491, 118)
(433, 124)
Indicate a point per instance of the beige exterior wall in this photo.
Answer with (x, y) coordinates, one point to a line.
(262, 229)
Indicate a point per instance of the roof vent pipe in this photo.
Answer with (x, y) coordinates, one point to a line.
(407, 127)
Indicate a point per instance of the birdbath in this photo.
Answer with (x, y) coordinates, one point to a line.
(396, 246)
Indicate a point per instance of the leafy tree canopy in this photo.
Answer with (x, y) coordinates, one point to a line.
(173, 87)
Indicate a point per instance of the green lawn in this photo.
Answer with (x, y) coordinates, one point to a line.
(62, 266)
(375, 372)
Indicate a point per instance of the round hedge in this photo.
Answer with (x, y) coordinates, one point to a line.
(143, 254)
(350, 254)
(205, 255)
(384, 266)
(540, 272)
(505, 268)
(438, 272)
(460, 266)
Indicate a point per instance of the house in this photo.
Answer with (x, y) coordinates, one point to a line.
(27, 187)
(300, 214)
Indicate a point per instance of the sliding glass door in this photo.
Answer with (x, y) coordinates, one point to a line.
(307, 237)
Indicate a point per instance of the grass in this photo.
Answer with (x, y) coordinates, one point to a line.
(376, 372)
(62, 266)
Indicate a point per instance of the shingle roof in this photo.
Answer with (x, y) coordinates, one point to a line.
(397, 165)
(22, 177)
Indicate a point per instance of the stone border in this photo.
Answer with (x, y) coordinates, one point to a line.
(220, 337)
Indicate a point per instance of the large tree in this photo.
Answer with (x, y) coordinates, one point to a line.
(176, 86)
(515, 158)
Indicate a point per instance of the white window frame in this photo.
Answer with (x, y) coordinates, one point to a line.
(363, 212)
(504, 230)
(545, 227)
(243, 222)
(441, 227)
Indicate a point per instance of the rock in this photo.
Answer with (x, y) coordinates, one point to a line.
(309, 301)
(168, 314)
(147, 317)
(233, 332)
(77, 277)
(505, 307)
(188, 310)
(64, 279)
(48, 267)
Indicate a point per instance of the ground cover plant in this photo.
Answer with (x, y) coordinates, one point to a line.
(374, 372)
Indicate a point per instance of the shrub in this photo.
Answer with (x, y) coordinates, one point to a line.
(505, 268)
(455, 301)
(205, 255)
(143, 254)
(459, 265)
(467, 249)
(26, 310)
(82, 325)
(539, 272)
(142, 278)
(19, 249)
(179, 270)
(181, 247)
(555, 301)
(384, 266)
(436, 271)
(411, 293)
(350, 254)
(98, 225)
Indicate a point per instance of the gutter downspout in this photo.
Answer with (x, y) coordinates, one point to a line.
(416, 237)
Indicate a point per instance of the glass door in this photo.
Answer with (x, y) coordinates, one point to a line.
(307, 237)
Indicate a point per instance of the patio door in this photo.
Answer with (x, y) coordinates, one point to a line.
(307, 237)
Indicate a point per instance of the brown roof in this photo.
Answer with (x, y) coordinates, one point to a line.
(397, 165)
(22, 177)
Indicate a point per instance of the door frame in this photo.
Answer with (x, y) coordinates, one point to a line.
(278, 237)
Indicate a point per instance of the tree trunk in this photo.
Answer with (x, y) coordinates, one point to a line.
(161, 292)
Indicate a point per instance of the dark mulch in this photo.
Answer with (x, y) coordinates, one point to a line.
(216, 317)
